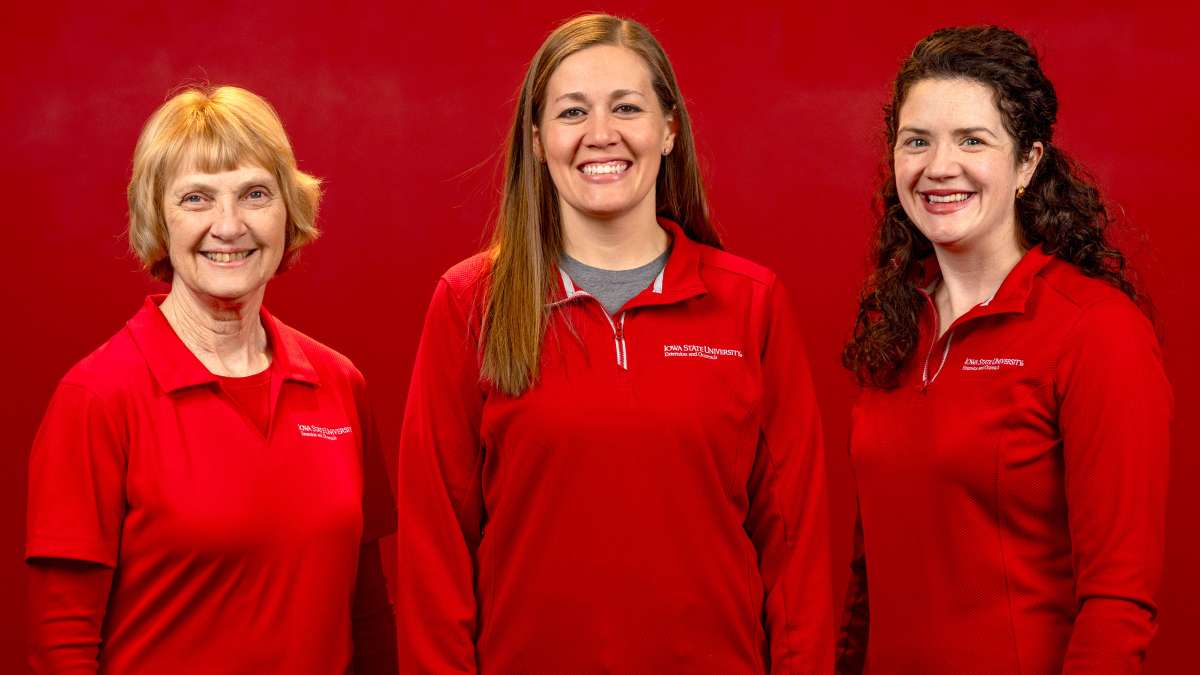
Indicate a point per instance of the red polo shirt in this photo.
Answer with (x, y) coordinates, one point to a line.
(654, 503)
(1012, 488)
(234, 551)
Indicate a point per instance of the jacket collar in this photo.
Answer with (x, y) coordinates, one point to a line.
(1014, 291)
(679, 279)
(175, 367)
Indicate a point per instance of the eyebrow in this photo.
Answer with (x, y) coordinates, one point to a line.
(198, 186)
(616, 93)
(965, 131)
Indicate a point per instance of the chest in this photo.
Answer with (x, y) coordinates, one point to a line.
(202, 476)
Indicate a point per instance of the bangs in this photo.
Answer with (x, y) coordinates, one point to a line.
(210, 140)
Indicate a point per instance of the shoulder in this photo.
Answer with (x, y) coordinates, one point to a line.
(467, 278)
(1095, 319)
(724, 266)
(113, 368)
(325, 359)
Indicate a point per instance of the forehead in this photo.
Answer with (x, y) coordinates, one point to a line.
(601, 68)
(956, 102)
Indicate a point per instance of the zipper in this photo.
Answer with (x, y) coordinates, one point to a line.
(618, 329)
(926, 380)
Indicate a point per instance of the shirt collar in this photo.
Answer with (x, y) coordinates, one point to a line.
(175, 367)
(679, 279)
(1014, 291)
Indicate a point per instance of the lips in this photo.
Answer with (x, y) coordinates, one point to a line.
(940, 202)
(618, 166)
(227, 256)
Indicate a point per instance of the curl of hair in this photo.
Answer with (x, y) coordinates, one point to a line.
(527, 235)
(213, 129)
(1060, 210)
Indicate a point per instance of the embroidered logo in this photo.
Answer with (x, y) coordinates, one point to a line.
(992, 364)
(327, 433)
(700, 352)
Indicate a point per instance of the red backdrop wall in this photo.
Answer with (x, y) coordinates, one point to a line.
(402, 111)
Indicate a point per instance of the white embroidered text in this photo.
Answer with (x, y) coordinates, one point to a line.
(991, 364)
(700, 352)
(328, 433)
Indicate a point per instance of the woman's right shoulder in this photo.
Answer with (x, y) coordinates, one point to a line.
(110, 370)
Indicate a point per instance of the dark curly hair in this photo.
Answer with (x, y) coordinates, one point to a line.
(1061, 208)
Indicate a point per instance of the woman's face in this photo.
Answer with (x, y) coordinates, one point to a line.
(955, 169)
(226, 231)
(603, 133)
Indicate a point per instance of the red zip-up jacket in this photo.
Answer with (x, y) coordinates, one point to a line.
(654, 503)
(1012, 488)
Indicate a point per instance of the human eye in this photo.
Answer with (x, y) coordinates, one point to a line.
(972, 141)
(914, 143)
(258, 194)
(627, 109)
(573, 113)
(193, 200)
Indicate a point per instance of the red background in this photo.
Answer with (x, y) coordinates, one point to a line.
(402, 112)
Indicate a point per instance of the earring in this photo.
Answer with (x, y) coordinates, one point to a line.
(666, 151)
(1020, 192)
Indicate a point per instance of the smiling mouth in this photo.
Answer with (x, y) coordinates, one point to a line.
(948, 198)
(221, 257)
(600, 169)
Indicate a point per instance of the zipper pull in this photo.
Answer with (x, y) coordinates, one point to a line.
(619, 326)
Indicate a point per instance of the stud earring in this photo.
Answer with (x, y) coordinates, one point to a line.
(1020, 192)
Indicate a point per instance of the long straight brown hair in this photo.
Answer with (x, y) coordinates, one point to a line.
(527, 236)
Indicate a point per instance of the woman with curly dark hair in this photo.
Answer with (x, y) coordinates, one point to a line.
(1010, 442)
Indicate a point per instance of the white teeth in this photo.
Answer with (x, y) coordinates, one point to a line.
(945, 199)
(226, 257)
(607, 167)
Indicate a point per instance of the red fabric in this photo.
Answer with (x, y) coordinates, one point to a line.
(1012, 510)
(252, 396)
(67, 601)
(231, 549)
(644, 507)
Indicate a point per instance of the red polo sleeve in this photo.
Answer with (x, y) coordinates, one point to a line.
(379, 506)
(441, 501)
(1114, 419)
(788, 519)
(76, 480)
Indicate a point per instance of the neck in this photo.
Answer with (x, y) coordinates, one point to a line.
(972, 275)
(226, 336)
(625, 242)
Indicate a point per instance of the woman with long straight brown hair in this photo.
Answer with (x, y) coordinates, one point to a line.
(611, 457)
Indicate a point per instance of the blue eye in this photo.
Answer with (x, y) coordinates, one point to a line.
(972, 141)
(916, 143)
(257, 193)
(192, 198)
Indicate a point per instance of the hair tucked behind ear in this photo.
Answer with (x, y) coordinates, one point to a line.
(1061, 208)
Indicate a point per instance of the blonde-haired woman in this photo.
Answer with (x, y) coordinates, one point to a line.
(205, 490)
(611, 458)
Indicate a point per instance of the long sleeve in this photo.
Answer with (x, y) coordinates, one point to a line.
(788, 520)
(856, 614)
(372, 619)
(1114, 418)
(66, 603)
(441, 503)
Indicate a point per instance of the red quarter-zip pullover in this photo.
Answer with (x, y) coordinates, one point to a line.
(1012, 488)
(654, 503)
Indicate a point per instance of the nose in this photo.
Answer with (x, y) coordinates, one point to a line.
(943, 161)
(601, 131)
(228, 223)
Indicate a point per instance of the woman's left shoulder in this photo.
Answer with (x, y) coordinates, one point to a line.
(720, 265)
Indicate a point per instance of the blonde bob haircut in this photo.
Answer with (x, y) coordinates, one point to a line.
(212, 129)
(527, 235)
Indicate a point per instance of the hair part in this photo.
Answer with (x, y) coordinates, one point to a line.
(212, 129)
(527, 238)
(1061, 208)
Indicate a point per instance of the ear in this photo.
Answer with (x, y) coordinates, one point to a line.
(1030, 163)
(537, 144)
(672, 131)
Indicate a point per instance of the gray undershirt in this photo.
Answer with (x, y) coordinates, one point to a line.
(613, 288)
